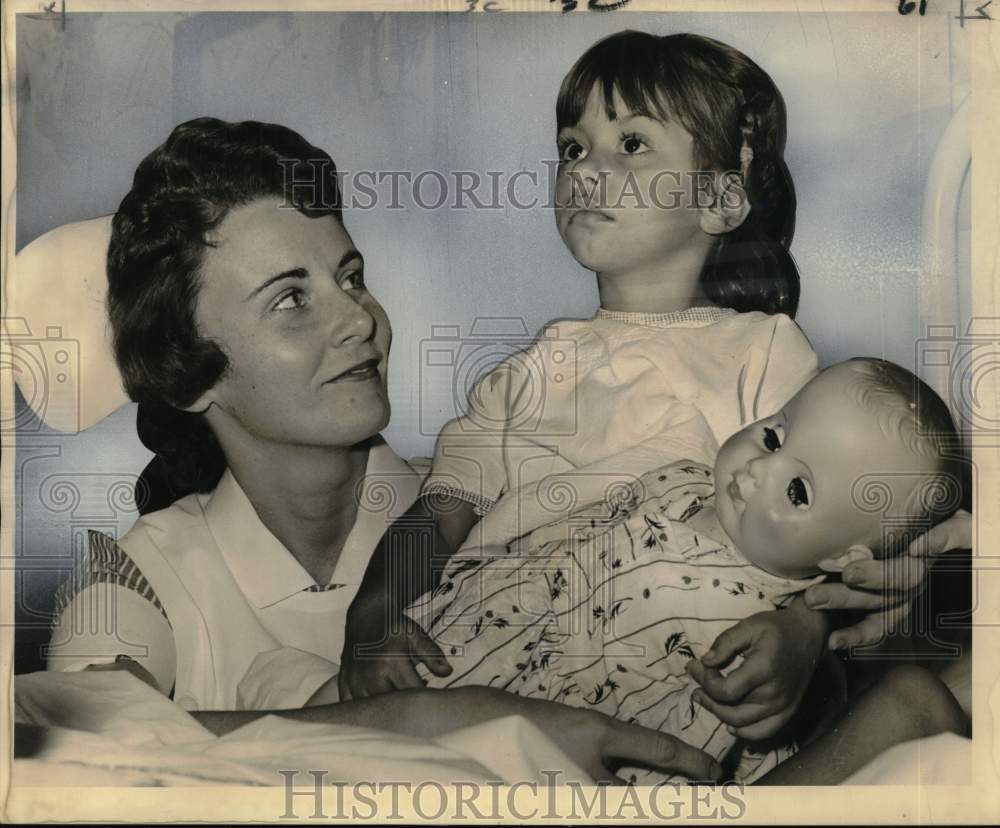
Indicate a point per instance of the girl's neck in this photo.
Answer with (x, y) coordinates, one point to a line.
(304, 495)
(662, 289)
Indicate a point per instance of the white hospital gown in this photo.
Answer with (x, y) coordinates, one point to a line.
(598, 402)
(605, 609)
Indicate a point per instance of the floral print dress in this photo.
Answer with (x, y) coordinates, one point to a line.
(605, 609)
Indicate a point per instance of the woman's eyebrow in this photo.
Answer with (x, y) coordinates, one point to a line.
(294, 273)
(351, 255)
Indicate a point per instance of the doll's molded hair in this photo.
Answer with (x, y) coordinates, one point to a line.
(727, 103)
(908, 409)
(181, 192)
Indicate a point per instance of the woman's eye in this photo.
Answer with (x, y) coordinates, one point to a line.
(632, 144)
(292, 300)
(570, 150)
(772, 440)
(354, 280)
(798, 493)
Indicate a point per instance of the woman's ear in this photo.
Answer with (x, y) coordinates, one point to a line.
(200, 405)
(730, 208)
(837, 563)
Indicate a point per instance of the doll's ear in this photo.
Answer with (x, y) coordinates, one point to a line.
(729, 210)
(837, 563)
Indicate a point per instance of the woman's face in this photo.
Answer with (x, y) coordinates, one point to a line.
(284, 297)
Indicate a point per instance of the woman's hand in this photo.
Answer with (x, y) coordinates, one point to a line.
(382, 648)
(885, 589)
(597, 743)
(780, 652)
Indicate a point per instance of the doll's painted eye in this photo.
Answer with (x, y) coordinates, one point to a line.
(798, 493)
(772, 440)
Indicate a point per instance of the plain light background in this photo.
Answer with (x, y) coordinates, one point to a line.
(868, 97)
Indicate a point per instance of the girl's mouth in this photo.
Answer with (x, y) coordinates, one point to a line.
(590, 216)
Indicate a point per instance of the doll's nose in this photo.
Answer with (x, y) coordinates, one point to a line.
(752, 474)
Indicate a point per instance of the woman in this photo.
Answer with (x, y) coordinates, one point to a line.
(243, 328)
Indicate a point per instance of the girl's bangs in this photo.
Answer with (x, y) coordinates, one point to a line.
(631, 64)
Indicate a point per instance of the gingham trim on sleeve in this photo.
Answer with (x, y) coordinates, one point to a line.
(482, 505)
(106, 563)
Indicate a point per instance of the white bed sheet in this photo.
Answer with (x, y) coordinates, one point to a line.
(108, 728)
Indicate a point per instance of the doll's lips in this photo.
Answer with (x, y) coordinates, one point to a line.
(733, 489)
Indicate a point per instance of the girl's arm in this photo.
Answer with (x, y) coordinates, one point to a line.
(382, 645)
(781, 650)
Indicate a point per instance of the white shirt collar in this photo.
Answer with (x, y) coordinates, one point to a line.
(706, 314)
(264, 568)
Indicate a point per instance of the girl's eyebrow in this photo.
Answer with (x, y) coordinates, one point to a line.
(635, 115)
(294, 273)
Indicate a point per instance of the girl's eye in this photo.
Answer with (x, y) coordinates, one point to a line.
(772, 440)
(798, 493)
(632, 144)
(354, 280)
(570, 150)
(292, 300)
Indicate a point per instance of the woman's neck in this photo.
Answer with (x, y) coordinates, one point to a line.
(305, 496)
(665, 288)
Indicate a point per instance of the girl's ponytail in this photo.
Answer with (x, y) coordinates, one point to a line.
(751, 267)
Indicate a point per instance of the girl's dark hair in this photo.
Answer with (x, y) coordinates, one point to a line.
(181, 191)
(722, 98)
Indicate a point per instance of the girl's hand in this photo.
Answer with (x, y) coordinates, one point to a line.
(780, 650)
(381, 651)
(886, 588)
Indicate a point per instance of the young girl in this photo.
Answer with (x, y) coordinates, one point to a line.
(697, 290)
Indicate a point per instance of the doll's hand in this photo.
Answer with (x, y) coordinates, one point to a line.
(780, 651)
(381, 651)
(886, 588)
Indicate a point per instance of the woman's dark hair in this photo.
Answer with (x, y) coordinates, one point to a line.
(723, 99)
(181, 191)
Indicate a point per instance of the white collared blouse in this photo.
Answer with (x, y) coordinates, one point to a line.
(201, 591)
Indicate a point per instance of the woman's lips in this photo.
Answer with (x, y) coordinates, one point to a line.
(365, 371)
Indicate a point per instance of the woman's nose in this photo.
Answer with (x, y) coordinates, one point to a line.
(350, 320)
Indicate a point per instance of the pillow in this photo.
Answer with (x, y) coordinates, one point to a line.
(59, 337)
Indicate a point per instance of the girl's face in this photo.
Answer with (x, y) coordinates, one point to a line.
(284, 297)
(623, 200)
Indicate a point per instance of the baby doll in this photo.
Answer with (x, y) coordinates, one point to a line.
(606, 609)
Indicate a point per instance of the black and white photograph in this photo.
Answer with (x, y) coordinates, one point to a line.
(496, 410)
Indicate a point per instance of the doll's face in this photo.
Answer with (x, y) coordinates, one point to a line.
(785, 484)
